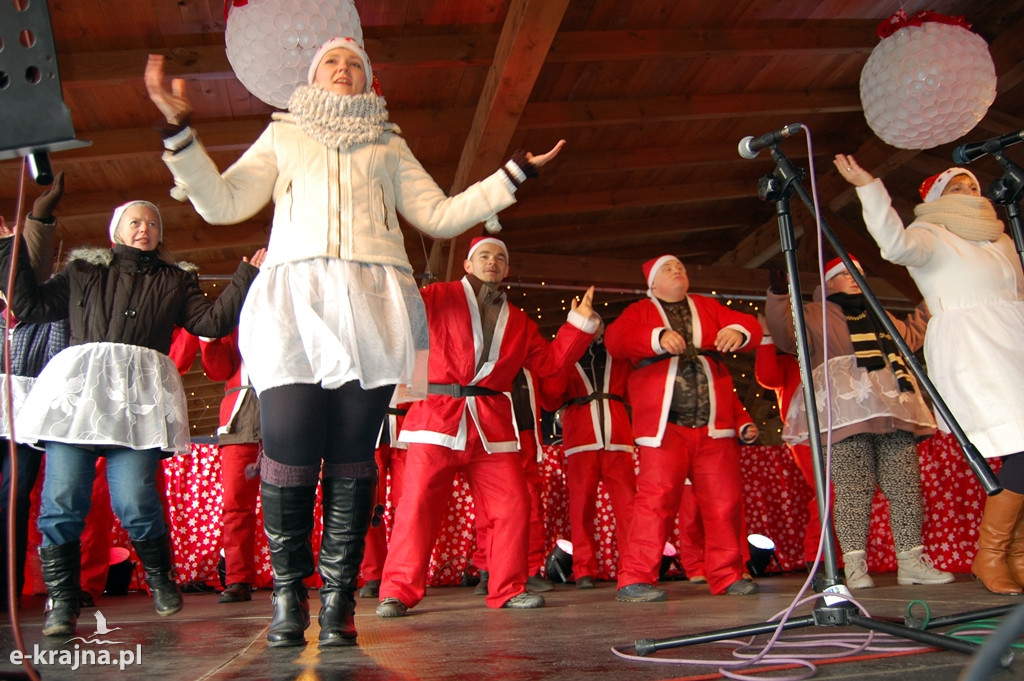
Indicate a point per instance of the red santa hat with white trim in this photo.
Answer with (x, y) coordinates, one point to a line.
(481, 240)
(933, 187)
(836, 266)
(651, 268)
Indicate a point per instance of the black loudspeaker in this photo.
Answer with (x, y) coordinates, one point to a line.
(36, 120)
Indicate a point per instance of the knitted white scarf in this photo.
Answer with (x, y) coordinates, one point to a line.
(969, 217)
(338, 121)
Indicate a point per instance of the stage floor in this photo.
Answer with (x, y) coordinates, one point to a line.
(453, 635)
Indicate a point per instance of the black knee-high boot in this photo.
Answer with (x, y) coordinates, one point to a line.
(288, 521)
(156, 557)
(348, 506)
(62, 565)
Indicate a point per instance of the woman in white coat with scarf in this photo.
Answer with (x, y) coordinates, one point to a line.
(968, 270)
(335, 321)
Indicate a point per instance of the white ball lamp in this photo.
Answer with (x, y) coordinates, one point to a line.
(270, 43)
(928, 82)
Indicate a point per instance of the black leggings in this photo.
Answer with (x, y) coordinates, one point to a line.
(304, 424)
(1011, 475)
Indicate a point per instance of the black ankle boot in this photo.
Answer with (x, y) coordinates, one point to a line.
(288, 521)
(61, 566)
(291, 616)
(155, 555)
(348, 505)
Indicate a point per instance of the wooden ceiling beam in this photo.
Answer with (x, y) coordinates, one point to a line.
(196, 58)
(646, 197)
(526, 36)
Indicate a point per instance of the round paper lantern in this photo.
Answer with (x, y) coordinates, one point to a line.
(270, 43)
(928, 82)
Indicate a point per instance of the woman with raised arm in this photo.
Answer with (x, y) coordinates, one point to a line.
(335, 320)
(968, 270)
(113, 393)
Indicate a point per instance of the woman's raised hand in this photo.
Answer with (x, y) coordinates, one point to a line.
(257, 258)
(540, 160)
(847, 166)
(172, 104)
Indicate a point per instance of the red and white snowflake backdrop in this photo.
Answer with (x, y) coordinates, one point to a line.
(775, 499)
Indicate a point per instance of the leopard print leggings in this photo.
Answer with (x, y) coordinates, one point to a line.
(861, 462)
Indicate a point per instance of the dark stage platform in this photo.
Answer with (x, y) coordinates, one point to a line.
(452, 635)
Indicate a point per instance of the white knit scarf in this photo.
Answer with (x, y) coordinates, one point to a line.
(969, 217)
(338, 121)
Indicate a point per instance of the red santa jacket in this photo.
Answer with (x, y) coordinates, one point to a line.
(184, 347)
(222, 361)
(581, 423)
(635, 336)
(779, 372)
(455, 346)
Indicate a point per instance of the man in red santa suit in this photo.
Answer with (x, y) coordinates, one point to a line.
(684, 424)
(598, 444)
(238, 438)
(478, 342)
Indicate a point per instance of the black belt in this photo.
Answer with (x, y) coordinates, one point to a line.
(690, 354)
(392, 411)
(587, 399)
(457, 391)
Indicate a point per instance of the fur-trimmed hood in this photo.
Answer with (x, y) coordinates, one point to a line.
(103, 257)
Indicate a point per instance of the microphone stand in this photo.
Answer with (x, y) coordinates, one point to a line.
(833, 610)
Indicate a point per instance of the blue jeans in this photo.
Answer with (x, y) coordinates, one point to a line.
(67, 492)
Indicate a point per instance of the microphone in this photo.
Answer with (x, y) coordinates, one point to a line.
(750, 145)
(966, 153)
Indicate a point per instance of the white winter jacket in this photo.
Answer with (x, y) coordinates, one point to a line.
(331, 202)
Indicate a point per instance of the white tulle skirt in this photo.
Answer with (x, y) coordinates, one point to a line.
(329, 321)
(107, 394)
(858, 395)
(20, 388)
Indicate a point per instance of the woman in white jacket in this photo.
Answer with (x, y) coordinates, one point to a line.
(968, 270)
(334, 321)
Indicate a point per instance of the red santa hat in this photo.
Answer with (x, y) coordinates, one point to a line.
(352, 45)
(836, 266)
(651, 268)
(933, 187)
(481, 240)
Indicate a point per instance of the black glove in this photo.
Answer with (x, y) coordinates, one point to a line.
(43, 207)
(778, 280)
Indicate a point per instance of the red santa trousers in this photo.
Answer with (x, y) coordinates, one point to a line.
(499, 488)
(390, 462)
(713, 467)
(584, 470)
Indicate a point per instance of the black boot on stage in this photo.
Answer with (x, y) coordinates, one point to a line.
(62, 566)
(288, 521)
(348, 505)
(156, 558)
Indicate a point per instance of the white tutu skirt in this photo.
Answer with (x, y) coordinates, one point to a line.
(20, 388)
(858, 395)
(328, 321)
(110, 395)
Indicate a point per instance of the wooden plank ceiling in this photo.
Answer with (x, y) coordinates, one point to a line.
(652, 97)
